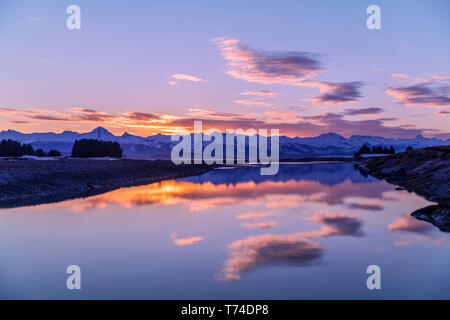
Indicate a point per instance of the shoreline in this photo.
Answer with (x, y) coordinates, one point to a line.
(425, 172)
(33, 182)
(29, 182)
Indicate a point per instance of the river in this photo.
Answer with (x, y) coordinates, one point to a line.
(310, 232)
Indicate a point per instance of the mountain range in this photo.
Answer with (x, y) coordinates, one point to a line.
(159, 146)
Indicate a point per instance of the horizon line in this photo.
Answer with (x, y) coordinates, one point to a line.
(192, 132)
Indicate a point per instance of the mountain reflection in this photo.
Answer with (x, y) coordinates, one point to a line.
(265, 221)
(293, 185)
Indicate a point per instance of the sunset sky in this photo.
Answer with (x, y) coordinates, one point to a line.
(305, 67)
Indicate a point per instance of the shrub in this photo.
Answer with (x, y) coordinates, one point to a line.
(54, 153)
(40, 153)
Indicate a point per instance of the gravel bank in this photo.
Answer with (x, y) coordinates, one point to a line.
(423, 171)
(30, 182)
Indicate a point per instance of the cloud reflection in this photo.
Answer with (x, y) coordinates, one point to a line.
(417, 230)
(410, 224)
(297, 249)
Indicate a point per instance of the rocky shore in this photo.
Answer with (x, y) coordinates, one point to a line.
(423, 171)
(31, 182)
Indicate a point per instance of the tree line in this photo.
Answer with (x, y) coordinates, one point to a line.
(84, 148)
(12, 148)
(365, 149)
(87, 148)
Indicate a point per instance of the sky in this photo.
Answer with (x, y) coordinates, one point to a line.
(303, 67)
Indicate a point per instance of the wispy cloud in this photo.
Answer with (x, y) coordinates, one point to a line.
(440, 76)
(18, 122)
(253, 102)
(267, 67)
(287, 68)
(260, 93)
(335, 93)
(289, 123)
(401, 75)
(187, 77)
(260, 225)
(71, 114)
(422, 94)
(185, 241)
(336, 123)
(254, 215)
(363, 111)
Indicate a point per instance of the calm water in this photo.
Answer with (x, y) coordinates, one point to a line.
(308, 232)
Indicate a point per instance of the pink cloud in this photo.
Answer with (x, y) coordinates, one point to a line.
(254, 215)
(266, 67)
(289, 123)
(335, 93)
(287, 68)
(260, 225)
(252, 102)
(260, 93)
(422, 94)
(187, 77)
(401, 75)
(185, 241)
(440, 76)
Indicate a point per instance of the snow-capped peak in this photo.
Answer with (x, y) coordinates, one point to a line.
(99, 133)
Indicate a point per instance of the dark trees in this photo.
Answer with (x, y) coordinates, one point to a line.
(88, 148)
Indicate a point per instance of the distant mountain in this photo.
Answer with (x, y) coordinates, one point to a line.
(159, 146)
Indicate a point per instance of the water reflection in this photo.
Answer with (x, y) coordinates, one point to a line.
(228, 234)
(417, 231)
(410, 224)
(324, 185)
(296, 249)
(207, 192)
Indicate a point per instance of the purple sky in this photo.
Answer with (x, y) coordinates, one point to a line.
(154, 66)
